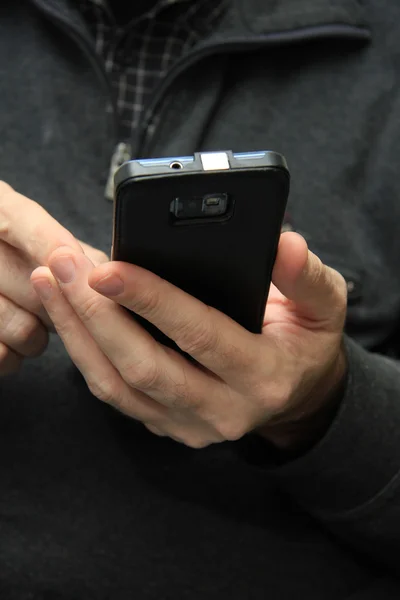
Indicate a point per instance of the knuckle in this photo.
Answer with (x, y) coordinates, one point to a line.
(103, 389)
(14, 264)
(183, 400)
(273, 398)
(232, 431)
(143, 376)
(275, 407)
(196, 339)
(147, 303)
(21, 329)
(91, 307)
(26, 330)
(196, 443)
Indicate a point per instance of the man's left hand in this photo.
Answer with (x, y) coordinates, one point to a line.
(276, 382)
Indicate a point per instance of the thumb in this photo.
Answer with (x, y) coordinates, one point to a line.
(318, 292)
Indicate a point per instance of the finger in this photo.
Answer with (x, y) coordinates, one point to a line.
(20, 330)
(10, 362)
(316, 290)
(25, 225)
(15, 272)
(102, 378)
(145, 365)
(212, 338)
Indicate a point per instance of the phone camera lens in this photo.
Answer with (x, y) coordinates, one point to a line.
(212, 201)
(215, 205)
(200, 207)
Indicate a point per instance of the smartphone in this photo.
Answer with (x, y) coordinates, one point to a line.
(208, 223)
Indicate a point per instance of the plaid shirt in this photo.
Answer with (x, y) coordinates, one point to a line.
(137, 56)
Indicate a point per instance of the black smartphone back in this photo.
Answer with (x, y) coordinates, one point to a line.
(212, 232)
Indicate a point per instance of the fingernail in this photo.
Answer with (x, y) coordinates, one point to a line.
(111, 285)
(43, 288)
(63, 268)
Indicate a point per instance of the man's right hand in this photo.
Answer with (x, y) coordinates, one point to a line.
(28, 235)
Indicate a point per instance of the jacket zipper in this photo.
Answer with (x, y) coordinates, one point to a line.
(122, 153)
(122, 149)
(87, 50)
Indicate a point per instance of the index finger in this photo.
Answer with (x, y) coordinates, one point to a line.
(210, 337)
(26, 225)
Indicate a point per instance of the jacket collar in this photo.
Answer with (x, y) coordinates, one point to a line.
(265, 16)
(285, 20)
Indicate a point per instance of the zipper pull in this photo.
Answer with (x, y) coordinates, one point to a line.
(121, 154)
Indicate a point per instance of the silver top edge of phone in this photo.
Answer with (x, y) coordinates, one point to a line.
(201, 161)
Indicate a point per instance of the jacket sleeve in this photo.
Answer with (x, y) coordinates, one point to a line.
(350, 481)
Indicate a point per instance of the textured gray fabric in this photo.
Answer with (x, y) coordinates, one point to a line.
(91, 506)
(361, 505)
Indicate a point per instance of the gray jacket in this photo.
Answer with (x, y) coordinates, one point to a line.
(319, 82)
